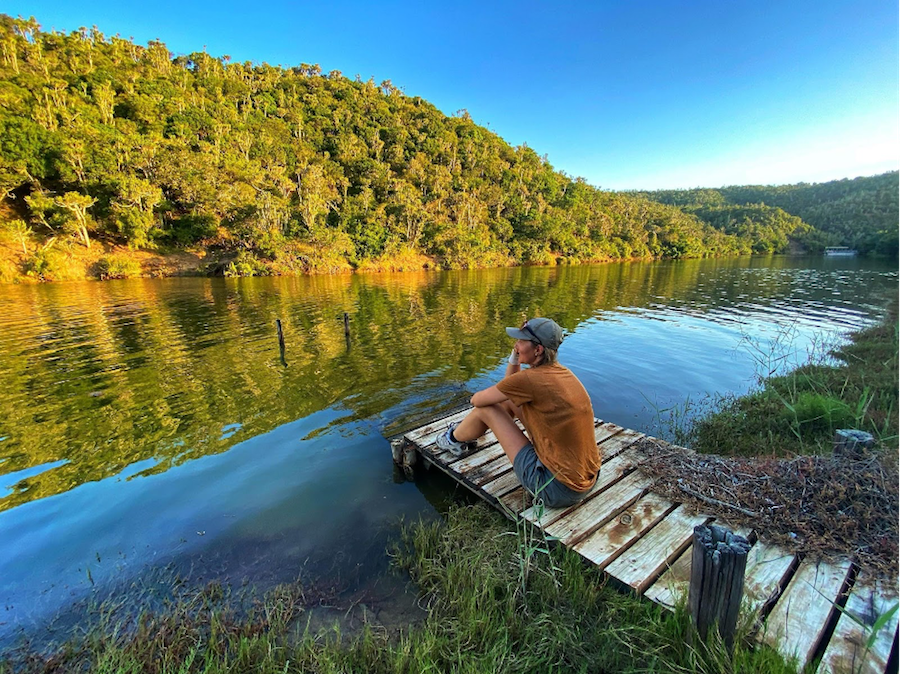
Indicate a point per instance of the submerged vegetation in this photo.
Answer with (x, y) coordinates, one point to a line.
(272, 170)
(480, 619)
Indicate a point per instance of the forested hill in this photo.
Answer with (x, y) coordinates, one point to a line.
(293, 169)
(861, 213)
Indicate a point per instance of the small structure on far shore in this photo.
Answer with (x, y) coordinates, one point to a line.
(839, 251)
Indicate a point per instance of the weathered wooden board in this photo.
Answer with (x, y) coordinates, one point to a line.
(617, 535)
(766, 574)
(646, 560)
(478, 458)
(604, 431)
(490, 471)
(848, 650)
(799, 617)
(610, 472)
(516, 501)
(674, 584)
(609, 448)
(502, 485)
(593, 514)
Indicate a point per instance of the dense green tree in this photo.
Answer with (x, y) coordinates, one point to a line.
(100, 137)
(861, 213)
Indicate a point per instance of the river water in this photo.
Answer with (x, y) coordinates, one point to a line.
(150, 424)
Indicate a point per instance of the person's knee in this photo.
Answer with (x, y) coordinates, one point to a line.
(497, 410)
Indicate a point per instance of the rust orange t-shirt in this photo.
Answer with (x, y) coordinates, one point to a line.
(557, 412)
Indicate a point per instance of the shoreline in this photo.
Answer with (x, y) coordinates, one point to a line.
(105, 262)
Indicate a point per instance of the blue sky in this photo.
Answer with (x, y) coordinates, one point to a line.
(628, 94)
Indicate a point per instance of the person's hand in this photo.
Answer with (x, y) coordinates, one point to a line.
(514, 357)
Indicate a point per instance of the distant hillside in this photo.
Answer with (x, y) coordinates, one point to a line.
(280, 170)
(862, 213)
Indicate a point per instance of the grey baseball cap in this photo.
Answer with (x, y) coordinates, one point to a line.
(544, 331)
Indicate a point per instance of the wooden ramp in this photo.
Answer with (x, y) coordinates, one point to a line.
(643, 540)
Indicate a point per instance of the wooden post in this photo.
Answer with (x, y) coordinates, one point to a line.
(852, 444)
(718, 562)
(280, 337)
(347, 329)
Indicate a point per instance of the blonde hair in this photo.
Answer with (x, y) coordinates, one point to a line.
(548, 356)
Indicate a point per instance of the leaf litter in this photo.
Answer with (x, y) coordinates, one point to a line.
(818, 506)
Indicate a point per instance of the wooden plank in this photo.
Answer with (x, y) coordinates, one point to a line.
(591, 515)
(610, 471)
(604, 431)
(478, 458)
(798, 619)
(847, 650)
(491, 471)
(618, 443)
(674, 584)
(767, 568)
(515, 501)
(617, 535)
(420, 435)
(645, 561)
(503, 484)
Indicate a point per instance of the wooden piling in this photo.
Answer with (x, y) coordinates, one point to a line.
(718, 562)
(852, 444)
(346, 324)
(280, 337)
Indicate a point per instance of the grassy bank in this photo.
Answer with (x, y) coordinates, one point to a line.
(798, 413)
(770, 454)
(488, 612)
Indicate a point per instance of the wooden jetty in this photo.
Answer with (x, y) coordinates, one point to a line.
(642, 541)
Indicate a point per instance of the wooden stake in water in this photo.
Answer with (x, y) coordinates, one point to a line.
(718, 562)
(280, 339)
(346, 324)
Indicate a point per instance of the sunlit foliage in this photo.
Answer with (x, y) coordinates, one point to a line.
(101, 138)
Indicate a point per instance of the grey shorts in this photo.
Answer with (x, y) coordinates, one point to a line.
(538, 480)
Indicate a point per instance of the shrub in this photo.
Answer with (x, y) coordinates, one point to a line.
(118, 266)
(246, 264)
(817, 412)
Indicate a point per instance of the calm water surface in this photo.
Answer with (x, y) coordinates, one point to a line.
(152, 423)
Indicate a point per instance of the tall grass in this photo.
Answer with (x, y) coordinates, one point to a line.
(479, 620)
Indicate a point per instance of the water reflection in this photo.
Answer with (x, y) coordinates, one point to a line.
(120, 399)
(98, 376)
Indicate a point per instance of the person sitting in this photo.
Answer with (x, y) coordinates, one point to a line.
(559, 464)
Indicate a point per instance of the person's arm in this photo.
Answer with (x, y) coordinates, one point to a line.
(489, 396)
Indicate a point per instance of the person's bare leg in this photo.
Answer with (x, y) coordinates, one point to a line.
(473, 425)
(500, 420)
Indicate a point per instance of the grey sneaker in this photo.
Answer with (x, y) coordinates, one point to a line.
(444, 442)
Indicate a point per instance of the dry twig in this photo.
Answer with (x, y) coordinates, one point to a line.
(820, 505)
